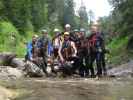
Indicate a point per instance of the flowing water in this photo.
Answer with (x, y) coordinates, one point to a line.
(74, 89)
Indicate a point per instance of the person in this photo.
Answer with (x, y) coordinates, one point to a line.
(100, 54)
(57, 40)
(75, 36)
(83, 54)
(97, 48)
(67, 52)
(45, 47)
(68, 28)
(31, 48)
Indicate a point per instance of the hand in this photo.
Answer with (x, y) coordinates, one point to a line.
(32, 59)
(74, 55)
(62, 60)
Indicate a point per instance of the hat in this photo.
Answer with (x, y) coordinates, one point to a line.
(82, 30)
(44, 31)
(56, 30)
(66, 33)
(67, 26)
(76, 30)
(35, 36)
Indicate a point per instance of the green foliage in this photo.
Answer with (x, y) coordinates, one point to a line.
(123, 15)
(118, 50)
(8, 34)
(20, 19)
(11, 40)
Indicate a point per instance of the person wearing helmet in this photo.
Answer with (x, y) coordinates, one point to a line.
(68, 28)
(45, 47)
(81, 45)
(57, 40)
(75, 35)
(67, 52)
(82, 32)
(97, 48)
(31, 48)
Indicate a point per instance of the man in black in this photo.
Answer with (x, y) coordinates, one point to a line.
(97, 51)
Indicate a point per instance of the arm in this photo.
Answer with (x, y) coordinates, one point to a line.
(59, 52)
(74, 47)
(29, 50)
(50, 48)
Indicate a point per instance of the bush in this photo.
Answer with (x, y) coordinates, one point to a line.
(11, 40)
(9, 36)
(118, 48)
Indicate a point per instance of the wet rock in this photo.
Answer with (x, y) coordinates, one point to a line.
(18, 63)
(33, 70)
(6, 72)
(6, 58)
(125, 70)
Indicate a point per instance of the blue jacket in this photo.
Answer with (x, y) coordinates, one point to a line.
(29, 50)
(50, 48)
(42, 41)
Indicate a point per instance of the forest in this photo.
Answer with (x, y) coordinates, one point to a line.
(20, 19)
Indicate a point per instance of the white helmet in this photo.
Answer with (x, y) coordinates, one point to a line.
(35, 36)
(44, 31)
(67, 26)
(56, 30)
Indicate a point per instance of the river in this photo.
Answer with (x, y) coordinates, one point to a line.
(74, 89)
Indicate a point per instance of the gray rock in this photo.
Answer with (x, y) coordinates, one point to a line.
(6, 72)
(18, 63)
(6, 58)
(33, 70)
(125, 70)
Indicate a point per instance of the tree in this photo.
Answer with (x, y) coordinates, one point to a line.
(69, 13)
(124, 9)
(83, 16)
(91, 17)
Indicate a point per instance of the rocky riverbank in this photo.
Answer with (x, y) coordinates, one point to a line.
(15, 86)
(13, 68)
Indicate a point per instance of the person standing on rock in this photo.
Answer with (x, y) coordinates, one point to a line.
(97, 48)
(100, 51)
(44, 44)
(83, 53)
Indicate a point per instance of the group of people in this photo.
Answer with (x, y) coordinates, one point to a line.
(72, 51)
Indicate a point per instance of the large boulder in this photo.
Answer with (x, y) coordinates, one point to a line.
(32, 70)
(6, 58)
(18, 63)
(15, 67)
(125, 70)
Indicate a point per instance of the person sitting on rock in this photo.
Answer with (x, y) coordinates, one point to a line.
(31, 48)
(67, 53)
